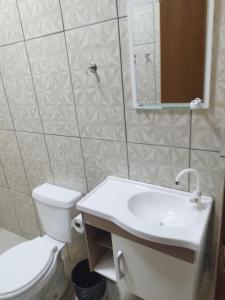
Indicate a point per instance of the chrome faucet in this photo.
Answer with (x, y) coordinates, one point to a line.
(196, 194)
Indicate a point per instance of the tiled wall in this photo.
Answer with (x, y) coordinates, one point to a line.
(59, 125)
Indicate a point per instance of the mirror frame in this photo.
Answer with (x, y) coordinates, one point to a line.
(208, 62)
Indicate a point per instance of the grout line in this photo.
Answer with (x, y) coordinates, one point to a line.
(92, 24)
(16, 215)
(154, 45)
(190, 149)
(28, 184)
(57, 32)
(174, 146)
(123, 92)
(85, 170)
(117, 8)
(4, 173)
(29, 64)
(8, 104)
(191, 118)
(8, 187)
(61, 12)
(123, 17)
(10, 113)
(35, 93)
(74, 98)
(115, 141)
(42, 36)
(72, 87)
(39, 132)
(190, 137)
(16, 138)
(11, 44)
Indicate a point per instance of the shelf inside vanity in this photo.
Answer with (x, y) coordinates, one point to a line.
(100, 254)
(106, 266)
(104, 239)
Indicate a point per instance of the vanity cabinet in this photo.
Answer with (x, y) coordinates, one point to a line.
(148, 270)
(151, 274)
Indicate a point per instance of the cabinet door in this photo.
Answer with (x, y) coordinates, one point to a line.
(150, 274)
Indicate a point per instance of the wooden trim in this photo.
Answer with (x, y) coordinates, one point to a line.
(187, 255)
(94, 251)
(220, 287)
(220, 284)
(183, 36)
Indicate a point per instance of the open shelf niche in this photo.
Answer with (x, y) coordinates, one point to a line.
(100, 254)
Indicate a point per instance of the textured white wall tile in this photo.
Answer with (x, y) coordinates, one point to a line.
(7, 212)
(99, 104)
(125, 53)
(122, 7)
(222, 149)
(19, 87)
(12, 162)
(67, 162)
(207, 125)
(157, 165)
(206, 131)
(26, 216)
(5, 117)
(77, 251)
(159, 127)
(11, 30)
(35, 158)
(210, 166)
(102, 159)
(83, 12)
(40, 17)
(101, 122)
(49, 64)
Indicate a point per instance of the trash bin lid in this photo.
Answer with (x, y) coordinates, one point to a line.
(22, 266)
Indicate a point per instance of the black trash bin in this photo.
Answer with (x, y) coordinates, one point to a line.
(88, 285)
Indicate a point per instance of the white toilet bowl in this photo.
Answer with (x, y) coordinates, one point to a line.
(34, 270)
(27, 270)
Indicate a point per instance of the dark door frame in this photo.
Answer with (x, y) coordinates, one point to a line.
(220, 283)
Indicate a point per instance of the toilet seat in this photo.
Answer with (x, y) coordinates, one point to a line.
(22, 266)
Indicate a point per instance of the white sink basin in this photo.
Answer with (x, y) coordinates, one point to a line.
(163, 209)
(157, 214)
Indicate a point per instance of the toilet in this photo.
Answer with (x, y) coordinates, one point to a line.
(34, 269)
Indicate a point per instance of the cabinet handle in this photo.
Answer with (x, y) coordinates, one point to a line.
(118, 261)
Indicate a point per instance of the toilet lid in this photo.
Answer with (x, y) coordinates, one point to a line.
(24, 265)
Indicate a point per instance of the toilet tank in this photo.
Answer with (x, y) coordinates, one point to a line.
(56, 209)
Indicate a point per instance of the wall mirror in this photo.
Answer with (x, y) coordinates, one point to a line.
(170, 45)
